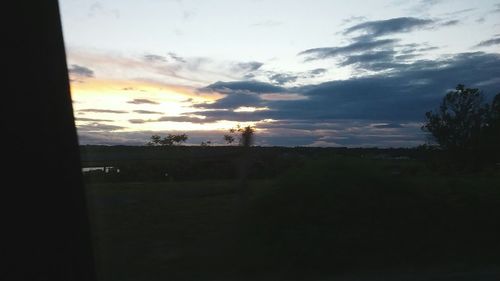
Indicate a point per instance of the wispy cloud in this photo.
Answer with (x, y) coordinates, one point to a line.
(357, 46)
(389, 26)
(103, 111)
(142, 101)
(98, 127)
(490, 42)
(154, 58)
(83, 119)
(497, 8)
(283, 78)
(247, 66)
(147, 112)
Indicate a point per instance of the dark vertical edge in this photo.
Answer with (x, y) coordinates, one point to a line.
(44, 212)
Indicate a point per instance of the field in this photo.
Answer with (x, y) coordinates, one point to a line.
(329, 216)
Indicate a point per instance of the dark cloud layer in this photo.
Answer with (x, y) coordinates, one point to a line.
(244, 86)
(405, 95)
(234, 100)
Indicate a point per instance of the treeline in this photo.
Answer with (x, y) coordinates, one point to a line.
(143, 163)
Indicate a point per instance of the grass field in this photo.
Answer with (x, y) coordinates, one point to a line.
(335, 218)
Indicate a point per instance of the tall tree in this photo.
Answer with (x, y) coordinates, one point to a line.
(245, 136)
(460, 119)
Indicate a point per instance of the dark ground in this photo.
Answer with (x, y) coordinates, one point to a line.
(326, 216)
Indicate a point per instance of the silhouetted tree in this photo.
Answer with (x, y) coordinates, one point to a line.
(169, 140)
(206, 143)
(155, 140)
(229, 139)
(247, 134)
(244, 135)
(465, 127)
(460, 119)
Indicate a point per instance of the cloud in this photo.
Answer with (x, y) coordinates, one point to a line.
(357, 46)
(102, 111)
(147, 112)
(342, 132)
(142, 101)
(450, 23)
(243, 86)
(490, 42)
(240, 93)
(283, 78)
(184, 118)
(370, 60)
(114, 138)
(404, 95)
(98, 127)
(137, 121)
(233, 101)
(81, 71)
(497, 8)
(176, 57)
(181, 118)
(388, 126)
(92, 119)
(247, 66)
(352, 19)
(368, 52)
(154, 58)
(390, 26)
(316, 72)
(480, 20)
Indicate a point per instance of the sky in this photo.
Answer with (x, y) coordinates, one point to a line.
(305, 73)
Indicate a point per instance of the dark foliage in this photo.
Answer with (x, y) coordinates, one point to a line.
(169, 140)
(466, 128)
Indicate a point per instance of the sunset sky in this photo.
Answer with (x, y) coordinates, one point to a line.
(305, 73)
